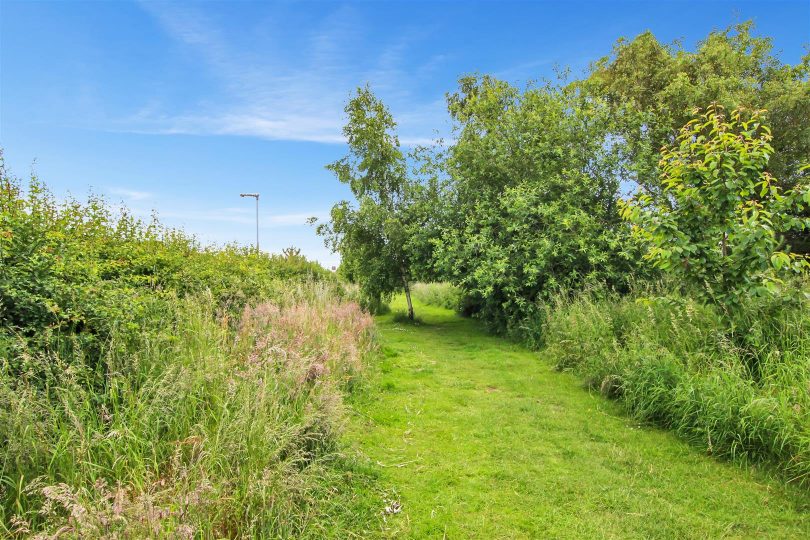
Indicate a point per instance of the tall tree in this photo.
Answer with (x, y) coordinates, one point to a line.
(374, 234)
(533, 200)
(653, 89)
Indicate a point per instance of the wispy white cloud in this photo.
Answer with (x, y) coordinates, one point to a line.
(523, 71)
(245, 217)
(131, 194)
(291, 93)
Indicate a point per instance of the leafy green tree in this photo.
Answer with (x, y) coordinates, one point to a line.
(532, 200)
(652, 89)
(373, 237)
(719, 225)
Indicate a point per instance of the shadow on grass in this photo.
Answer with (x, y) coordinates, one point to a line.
(401, 317)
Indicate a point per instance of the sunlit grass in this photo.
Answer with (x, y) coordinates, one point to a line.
(480, 438)
(209, 430)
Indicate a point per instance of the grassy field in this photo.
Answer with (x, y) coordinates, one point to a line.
(478, 438)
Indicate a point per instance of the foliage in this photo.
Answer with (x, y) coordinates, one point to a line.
(720, 223)
(524, 202)
(444, 295)
(151, 387)
(74, 273)
(653, 88)
(736, 390)
(203, 429)
(373, 237)
(531, 200)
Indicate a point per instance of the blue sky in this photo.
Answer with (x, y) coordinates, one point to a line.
(179, 107)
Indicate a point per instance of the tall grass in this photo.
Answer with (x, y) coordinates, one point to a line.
(736, 385)
(151, 387)
(207, 429)
(444, 295)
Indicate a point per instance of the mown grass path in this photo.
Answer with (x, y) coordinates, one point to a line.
(480, 438)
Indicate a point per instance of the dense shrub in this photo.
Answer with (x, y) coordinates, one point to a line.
(73, 273)
(736, 385)
(152, 387)
(202, 430)
(444, 295)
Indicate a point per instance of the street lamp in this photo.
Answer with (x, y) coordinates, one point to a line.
(255, 196)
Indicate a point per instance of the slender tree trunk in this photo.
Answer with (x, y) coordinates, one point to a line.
(408, 296)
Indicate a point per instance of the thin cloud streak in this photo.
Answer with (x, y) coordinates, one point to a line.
(131, 194)
(298, 99)
(245, 217)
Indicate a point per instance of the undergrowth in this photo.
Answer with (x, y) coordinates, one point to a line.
(151, 387)
(444, 295)
(735, 384)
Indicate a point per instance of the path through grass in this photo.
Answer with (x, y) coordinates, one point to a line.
(480, 438)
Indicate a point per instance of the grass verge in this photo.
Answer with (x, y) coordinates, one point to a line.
(736, 386)
(209, 429)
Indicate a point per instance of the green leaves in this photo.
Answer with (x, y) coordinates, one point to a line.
(73, 274)
(779, 260)
(526, 198)
(653, 89)
(532, 202)
(375, 236)
(722, 224)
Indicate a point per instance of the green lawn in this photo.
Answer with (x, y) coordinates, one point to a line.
(479, 438)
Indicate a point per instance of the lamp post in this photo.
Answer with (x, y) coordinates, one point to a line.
(255, 196)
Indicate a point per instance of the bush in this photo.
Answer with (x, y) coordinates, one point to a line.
(202, 429)
(75, 273)
(735, 385)
(720, 224)
(152, 387)
(443, 295)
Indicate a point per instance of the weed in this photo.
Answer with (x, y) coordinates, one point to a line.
(735, 385)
